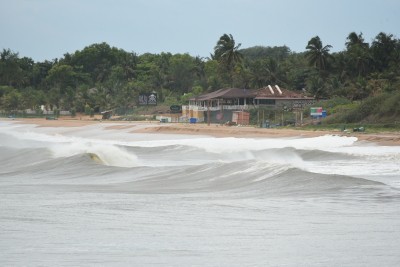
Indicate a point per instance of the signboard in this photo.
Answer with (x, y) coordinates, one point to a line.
(316, 111)
(175, 109)
(148, 99)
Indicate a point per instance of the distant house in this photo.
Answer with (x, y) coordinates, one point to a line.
(105, 115)
(220, 105)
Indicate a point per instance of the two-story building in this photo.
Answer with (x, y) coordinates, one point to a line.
(224, 104)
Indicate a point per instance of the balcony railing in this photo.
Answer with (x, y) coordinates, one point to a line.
(224, 107)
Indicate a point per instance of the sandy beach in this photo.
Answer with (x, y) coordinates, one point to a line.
(383, 138)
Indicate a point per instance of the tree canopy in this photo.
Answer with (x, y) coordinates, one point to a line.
(101, 77)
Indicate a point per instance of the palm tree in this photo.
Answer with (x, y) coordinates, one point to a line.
(227, 52)
(129, 62)
(273, 72)
(382, 49)
(355, 39)
(198, 68)
(316, 86)
(317, 54)
(10, 69)
(358, 53)
(257, 71)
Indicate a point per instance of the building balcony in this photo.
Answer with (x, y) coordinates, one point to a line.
(217, 108)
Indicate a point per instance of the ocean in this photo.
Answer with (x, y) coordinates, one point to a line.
(98, 196)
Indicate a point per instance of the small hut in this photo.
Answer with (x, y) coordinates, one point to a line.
(105, 115)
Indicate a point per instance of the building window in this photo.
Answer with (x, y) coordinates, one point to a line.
(266, 101)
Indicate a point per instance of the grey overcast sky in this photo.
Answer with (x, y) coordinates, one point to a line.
(47, 29)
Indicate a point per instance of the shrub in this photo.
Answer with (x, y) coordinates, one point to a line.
(56, 112)
(87, 109)
(380, 108)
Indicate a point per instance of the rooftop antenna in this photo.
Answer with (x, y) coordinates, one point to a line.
(272, 90)
(279, 89)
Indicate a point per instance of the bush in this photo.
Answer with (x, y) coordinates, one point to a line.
(390, 106)
(87, 109)
(56, 112)
(170, 100)
(381, 108)
(332, 105)
(39, 112)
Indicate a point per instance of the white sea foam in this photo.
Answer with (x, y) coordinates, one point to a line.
(228, 149)
(107, 154)
(205, 201)
(209, 144)
(67, 146)
(232, 144)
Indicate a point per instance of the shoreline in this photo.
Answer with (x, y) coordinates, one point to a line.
(215, 130)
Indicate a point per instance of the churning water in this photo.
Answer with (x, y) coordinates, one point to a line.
(94, 196)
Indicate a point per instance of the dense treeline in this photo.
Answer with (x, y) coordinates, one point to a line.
(101, 77)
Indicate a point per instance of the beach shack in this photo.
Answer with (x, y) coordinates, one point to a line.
(219, 105)
(105, 115)
(225, 105)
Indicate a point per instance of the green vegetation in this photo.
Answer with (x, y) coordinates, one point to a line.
(361, 83)
(383, 108)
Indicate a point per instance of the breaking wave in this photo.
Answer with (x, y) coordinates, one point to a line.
(256, 166)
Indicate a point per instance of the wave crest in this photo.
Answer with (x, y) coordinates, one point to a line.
(109, 155)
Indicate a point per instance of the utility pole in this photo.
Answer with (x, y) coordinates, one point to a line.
(208, 113)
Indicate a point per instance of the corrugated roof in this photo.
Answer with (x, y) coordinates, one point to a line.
(268, 92)
(227, 93)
